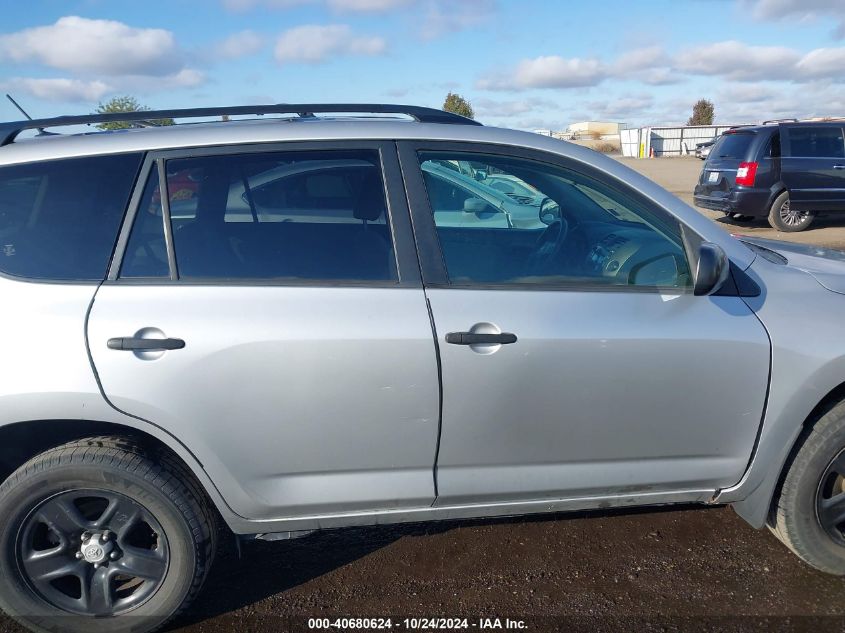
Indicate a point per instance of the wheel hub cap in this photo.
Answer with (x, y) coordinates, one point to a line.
(97, 549)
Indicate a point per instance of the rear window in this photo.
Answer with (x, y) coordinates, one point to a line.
(59, 219)
(732, 146)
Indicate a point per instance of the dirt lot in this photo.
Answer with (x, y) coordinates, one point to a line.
(679, 175)
(680, 569)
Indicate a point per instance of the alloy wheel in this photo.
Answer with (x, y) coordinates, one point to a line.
(92, 552)
(830, 499)
(791, 217)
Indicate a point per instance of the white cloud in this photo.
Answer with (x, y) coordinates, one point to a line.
(800, 11)
(104, 47)
(367, 6)
(443, 16)
(640, 59)
(735, 60)
(316, 43)
(339, 6)
(547, 72)
(778, 9)
(241, 44)
(246, 5)
(822, 62)
(59, 89)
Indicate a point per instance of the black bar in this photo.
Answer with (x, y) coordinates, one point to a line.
(145, 344)
(471, 338)
(10, 130)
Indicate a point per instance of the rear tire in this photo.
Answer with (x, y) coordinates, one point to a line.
(809, 512)
(783, 218)
(99, 535)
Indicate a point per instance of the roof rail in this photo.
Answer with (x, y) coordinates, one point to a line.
(10, 130)
(780, 121)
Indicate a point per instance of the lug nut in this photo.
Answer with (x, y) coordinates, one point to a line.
(113, 555)
(79, 555)
(86, 536)
(105, 537)
(96, 565)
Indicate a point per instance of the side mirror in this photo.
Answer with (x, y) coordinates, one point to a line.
(475, 205)
(712, 269)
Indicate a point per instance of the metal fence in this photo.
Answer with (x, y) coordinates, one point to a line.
(667, 141)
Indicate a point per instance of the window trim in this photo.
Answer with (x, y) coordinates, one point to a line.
(398, 220)
(432, 262)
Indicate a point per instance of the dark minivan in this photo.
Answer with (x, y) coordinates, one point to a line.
(788, 172)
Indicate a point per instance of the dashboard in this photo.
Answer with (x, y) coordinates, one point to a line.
(628, 254)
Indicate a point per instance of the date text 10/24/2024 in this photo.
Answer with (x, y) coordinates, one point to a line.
(416, 624)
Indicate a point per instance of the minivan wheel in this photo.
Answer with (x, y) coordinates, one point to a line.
(97, 535)
(809, 515)
(784, 218)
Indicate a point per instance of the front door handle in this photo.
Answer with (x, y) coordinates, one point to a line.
(839, 166)
(472, 338)
(134, 344)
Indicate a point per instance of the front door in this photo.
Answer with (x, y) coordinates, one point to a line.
(813, 166)
(575, 359)
(270, 316)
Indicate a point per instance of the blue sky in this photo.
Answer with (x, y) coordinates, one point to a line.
(526, 64)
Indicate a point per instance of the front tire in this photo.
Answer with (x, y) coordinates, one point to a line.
(783, 218)
(809, 515)
(98, 535)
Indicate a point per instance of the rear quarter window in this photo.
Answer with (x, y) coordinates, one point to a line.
(59, 219)
(734, 146)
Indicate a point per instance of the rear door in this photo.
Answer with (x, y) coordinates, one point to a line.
(813, 166)
(718, 176)
(276, 325)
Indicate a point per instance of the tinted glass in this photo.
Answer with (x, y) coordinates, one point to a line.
(551, 226)
(732, 146)
(60, 219)
(286, 215)
(146, 251)
(812, 142)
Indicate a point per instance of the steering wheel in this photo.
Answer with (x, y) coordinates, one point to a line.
(548, 246)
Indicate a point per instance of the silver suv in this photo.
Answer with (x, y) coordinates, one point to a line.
(266, 327)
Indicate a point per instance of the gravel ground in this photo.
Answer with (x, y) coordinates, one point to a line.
(699, 569)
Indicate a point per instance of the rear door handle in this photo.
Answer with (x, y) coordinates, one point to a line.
(471, 338)
(839, 166)
(130, 343)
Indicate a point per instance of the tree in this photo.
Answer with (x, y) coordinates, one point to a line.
(457, 104)
(125, 103)
(702, 113)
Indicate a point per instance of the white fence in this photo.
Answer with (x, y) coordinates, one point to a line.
(667, 141)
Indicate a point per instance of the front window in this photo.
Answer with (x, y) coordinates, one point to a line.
(551, 226)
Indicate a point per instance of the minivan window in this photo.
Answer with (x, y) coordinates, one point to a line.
(314, 215)
(733, 145)
(60, 219)
(816, 142)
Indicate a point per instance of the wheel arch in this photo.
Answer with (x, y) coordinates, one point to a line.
(756, 507)
(21, 441)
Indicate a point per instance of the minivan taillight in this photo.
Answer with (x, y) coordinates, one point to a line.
(746, 173)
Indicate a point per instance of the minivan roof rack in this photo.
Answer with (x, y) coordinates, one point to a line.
(780, 121)
(10, 130)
